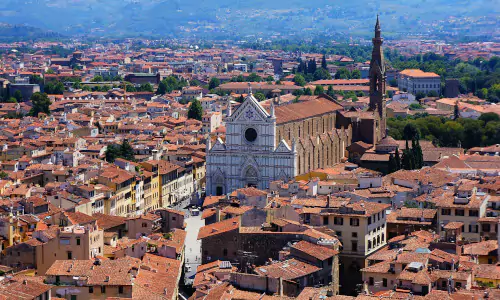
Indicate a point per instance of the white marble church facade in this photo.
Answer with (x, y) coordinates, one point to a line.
(249, 156)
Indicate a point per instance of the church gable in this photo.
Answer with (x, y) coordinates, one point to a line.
(219, 145)
(250, 111)
(283, 147)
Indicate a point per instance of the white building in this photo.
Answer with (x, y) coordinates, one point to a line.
(415, 81)
(241, 67)
(249, 156)
(211, 121)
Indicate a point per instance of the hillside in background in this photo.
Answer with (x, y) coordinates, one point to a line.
(261, 18)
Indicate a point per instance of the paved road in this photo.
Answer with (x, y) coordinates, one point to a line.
(193, 246)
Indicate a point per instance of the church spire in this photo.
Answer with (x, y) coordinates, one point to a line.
(377, 28)
(378, 80)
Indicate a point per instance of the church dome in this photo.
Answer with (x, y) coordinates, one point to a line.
(388, 141)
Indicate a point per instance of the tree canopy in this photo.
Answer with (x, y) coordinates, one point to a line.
(195, 110)
(445, 132)
(41, 104)
(124, 151)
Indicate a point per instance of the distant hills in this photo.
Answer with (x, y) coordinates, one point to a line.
(10, 33)
(260, 18)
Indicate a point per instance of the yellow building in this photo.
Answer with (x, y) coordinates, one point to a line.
(153, 184)
(487, 275)
(122, 184)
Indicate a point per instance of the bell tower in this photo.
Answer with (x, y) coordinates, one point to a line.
(377, 81)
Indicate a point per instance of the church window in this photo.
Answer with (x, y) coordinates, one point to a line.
(251, 134)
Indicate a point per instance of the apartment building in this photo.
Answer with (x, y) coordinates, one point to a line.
(360, 227)
(211, 121)
(192, 92)
(122, 183)
(415, 81)
(463, 208)
(176, 182)
(154, 277)
(151, 186)
(47, 246)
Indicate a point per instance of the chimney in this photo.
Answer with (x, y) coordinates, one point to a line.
(165, 290)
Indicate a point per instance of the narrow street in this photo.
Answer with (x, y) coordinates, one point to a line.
(193, 246)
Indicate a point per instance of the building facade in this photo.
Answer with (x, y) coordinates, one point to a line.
(416, 81)
(250, 155)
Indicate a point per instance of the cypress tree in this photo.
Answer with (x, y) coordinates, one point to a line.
(392, 164)
(417, 153)
(456, 111)
(323, 62)
(398, 159)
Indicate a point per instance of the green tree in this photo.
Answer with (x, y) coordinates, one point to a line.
(254, 78)
(214, 83)
(50, 71)
(18, 95)
(452, 134)
(473, 133)
(432, 94)
(58, 88)
(392, 165)
(259, 96)
(407, 160)
(323, 62)
(40, 104)
(3, 175)
(195, 110)
(126, 151)
(483, 93)
(311, 66)
(342, 73)
(97, 78)
(456, 111)
(410, 132)
(36, 79)
(308, 92)
(11, 100)
(321, 74)
(397, 158)
(330, 92)
(112, 152)
(492, 133)
(162, 88)
(146, 87)
(417, 154)
(238, 78)
(299, 80)
(419, 96)
(487, 117)
(356, 74)
(319, 90)
(415, 106)
(241, 99)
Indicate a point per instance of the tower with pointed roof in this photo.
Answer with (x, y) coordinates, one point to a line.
(378, 81)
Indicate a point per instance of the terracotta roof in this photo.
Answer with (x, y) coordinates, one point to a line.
(314, 250)
(304, 110)
(219, 227)
(288, 269)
